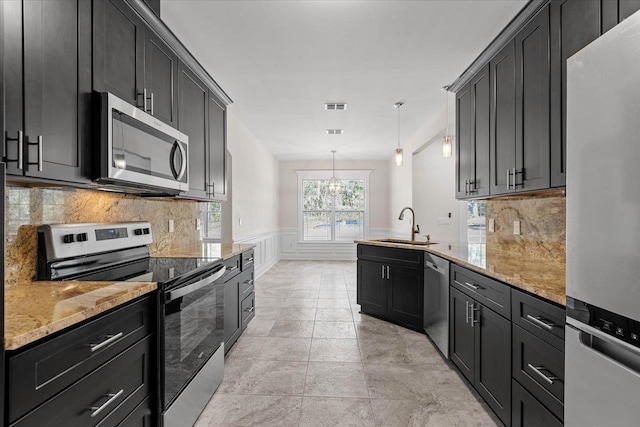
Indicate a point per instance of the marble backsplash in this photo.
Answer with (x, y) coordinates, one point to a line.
(542, 226)
(26, 208)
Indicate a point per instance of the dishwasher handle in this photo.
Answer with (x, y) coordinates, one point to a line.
(434, 267)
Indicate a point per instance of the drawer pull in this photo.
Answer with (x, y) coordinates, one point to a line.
(232, 268)
(469, 285)
(538, 370)
(250, 309)
(540, 322)
(112, 397)
(249, 259)
(249, 282)
(110, 339)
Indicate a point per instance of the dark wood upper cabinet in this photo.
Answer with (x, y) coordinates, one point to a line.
(503, 114)
(217, 185)
(193, 112)
(574, 24)
(533, 71)
(481, 96)
(626, 8)
(118, 51)
(48, 90)
(160, 71)
(464, 146)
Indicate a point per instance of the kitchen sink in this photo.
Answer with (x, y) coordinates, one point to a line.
(408, 242)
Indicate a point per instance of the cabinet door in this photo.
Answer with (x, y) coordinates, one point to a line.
(574, 24)
(503, 112)
(626, 8)
(12, 84)
(232, 315)
(480, 90)
(533, 73)
(493, 360)
(118, 50)
(57, 89)
(193, 112)
(405, 296)
(160, 71)
(464, 146)
(217, 148)
(461, 333)
(528, 412)
(372, 287)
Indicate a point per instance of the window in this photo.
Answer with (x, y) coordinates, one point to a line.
(476, 220)
(342, 218)
(213, 221)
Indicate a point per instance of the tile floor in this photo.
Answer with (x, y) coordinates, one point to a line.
(309, 358)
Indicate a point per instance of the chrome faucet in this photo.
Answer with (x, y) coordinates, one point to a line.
(415, 229)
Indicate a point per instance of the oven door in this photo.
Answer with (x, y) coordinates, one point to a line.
(193, 325)
(141, 151)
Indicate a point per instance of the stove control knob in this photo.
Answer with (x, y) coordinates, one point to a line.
(146, 231)
(68, 238)
(82, 237)
(137, 231)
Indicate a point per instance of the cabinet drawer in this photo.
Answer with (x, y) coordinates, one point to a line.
(526, 411)
(142, 416)
(246, 283)
(39, 373)
(539, 368)
(247, 259)
(489, 292)
(117, 387)
(541, 318)
(407, 257)
(233, 267)
(247, 310)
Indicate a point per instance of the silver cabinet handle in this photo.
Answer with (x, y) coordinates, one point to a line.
(19, 139)
(466, 187)
(112, 397)
(144, 100)
(388, 274)
(474, 310)
(152, 103)
(232, 268)
(540, 322)
(249, 282)
(383, 272)
(110, 339)
(508, 179)
(250, 309)
(466, 313)
(538, 370)
(469, 285)
(249, 259)
(39, 145)
(211, 193)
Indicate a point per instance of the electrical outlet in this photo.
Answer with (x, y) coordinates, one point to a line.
(516, 227)
(172, 226)
(198, 224)
(492, 225)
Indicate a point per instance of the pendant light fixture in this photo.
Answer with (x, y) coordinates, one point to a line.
(335, 184)
(398, 150)
(447, 146)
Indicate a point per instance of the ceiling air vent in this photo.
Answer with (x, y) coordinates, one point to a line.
(335, 106)
(335, 131)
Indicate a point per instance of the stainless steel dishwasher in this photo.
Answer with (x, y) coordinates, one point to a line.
(436, 301)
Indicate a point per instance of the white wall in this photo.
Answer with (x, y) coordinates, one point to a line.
(292, 248)
(255, 193)
(418, 189)
(433, 195)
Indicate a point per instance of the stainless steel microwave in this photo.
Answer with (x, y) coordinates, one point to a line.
(139, 153)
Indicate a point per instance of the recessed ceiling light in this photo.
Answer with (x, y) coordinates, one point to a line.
(335, 131)
(335, 106)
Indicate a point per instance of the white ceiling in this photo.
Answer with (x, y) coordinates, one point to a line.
(280, 61)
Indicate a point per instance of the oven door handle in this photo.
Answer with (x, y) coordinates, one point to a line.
(186, 290)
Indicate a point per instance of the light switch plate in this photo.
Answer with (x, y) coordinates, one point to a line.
(172, 226)
(516, 227)
(492, 225)
(198, 224)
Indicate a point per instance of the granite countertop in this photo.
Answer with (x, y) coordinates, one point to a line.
(545, 278)
(37, 309)
(206, 250)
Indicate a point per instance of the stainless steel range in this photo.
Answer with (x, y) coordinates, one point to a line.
(191, 303)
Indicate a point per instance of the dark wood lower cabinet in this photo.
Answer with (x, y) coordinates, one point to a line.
(528, 412)
(239, 297)
(232, 314)
(372, 281)
(405, 296)
(461, 334)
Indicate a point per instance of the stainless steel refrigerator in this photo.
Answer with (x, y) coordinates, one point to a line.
(603, 231)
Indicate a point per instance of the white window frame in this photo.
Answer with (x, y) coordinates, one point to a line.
(327, 174)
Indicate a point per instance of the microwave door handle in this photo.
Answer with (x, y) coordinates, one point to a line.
(186, 290)
(183, 167)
